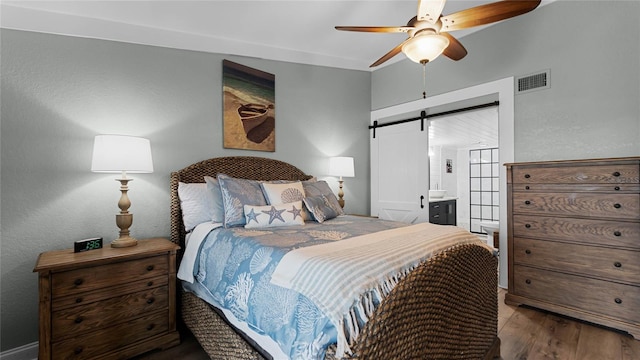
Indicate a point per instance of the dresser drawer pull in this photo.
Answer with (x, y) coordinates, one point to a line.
(78, 282)
(78, 350)
(617, 188)
(78, 300)
(78, 320)
(150, 327)
(528, 281)
(528, 226)
(618, 301)
(617, 233)
(617, 206)
(616, 174)
(617, 264)
(150, 300)
(527, 187)
(526, 176)
(150, 283)
(528, 252)
(527, 202)
(150, 267)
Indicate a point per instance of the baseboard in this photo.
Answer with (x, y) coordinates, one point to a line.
(24, 352)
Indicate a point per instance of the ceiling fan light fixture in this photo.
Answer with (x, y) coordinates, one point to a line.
(425, 48)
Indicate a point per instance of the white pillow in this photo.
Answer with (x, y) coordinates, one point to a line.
(196, 203)
(217, 210)
(273, 215)
(282, 193)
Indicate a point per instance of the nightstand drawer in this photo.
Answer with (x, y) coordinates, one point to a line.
(75, 321)
(76, 300)
(112, 338)
(613, 206)
(613, 264)
(620, 301)
(575, 175)
(587, 231)
(91, 278)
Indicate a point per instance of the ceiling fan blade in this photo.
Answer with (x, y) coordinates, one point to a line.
(455, 50)
(487, 14)
(430, 10)
(395, 51)
(378, 29)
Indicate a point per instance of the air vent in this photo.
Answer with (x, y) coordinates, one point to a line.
(537, 81)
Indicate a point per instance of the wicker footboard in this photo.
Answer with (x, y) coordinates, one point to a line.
(447, 308)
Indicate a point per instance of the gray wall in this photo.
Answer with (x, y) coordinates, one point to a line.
(59, 92)
(592, 48)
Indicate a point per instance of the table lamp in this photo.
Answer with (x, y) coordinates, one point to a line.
(122, 154)
(341, 166)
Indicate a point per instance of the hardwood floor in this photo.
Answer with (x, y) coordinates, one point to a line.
(526, 334)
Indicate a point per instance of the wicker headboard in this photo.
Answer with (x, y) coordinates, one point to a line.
(245, 167)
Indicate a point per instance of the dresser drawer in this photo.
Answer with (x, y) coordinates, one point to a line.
(96, 277)
(613, 264)
(587, 231)
(594, 296)
(74, 321)
(96, 343)
(594, 174)
(614, 206)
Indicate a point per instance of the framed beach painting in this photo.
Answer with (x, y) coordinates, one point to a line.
(249, 118)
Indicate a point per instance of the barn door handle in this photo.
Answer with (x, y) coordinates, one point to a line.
(421, 200)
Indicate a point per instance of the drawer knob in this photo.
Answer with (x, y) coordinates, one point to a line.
(78, 320)
(526, 176)
(618, 301)
(150, 267)
(617, 206)
(617, 233)
(528, 226)
(78, 350)
(150, 326)
(150, 300)
(78, 300)
(616, 174)
(617, 264)
(527, 187)
(528, 281)
(150, 283)
(617, 188)
(528, 252)
(527, 202)
(78, 282)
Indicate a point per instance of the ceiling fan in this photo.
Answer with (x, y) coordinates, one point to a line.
(429, 30)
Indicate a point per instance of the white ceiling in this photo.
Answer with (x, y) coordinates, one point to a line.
(300, 31)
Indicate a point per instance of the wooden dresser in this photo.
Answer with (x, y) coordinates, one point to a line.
(110, 303)
(574, 239)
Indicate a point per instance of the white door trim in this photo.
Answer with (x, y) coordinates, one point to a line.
(505, 91)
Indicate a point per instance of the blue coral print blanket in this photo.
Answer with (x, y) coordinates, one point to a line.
(233, 271)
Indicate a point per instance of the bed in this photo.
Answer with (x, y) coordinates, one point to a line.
(444, 308)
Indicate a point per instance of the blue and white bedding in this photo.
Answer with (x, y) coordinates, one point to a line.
(233, 271)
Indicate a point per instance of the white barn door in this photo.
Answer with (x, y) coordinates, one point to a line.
(400, 172)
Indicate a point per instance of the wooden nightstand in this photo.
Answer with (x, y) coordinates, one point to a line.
(108, 303)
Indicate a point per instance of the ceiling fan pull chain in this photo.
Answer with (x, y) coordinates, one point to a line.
(424, 80)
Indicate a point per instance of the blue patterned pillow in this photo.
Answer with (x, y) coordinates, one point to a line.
(319, 188)
(273, 215)
(320, 208)
(236, 193)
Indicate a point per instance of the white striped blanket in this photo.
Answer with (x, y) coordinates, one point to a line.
(343, 278)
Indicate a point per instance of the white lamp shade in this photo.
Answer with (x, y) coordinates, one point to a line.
(118, 153)
(425, 48)
(341, 166)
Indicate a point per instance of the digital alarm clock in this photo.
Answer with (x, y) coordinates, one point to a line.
(87, 244)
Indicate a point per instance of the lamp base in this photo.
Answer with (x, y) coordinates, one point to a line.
(124, 242)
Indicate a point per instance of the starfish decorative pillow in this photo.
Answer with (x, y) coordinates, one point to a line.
(273, 215)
